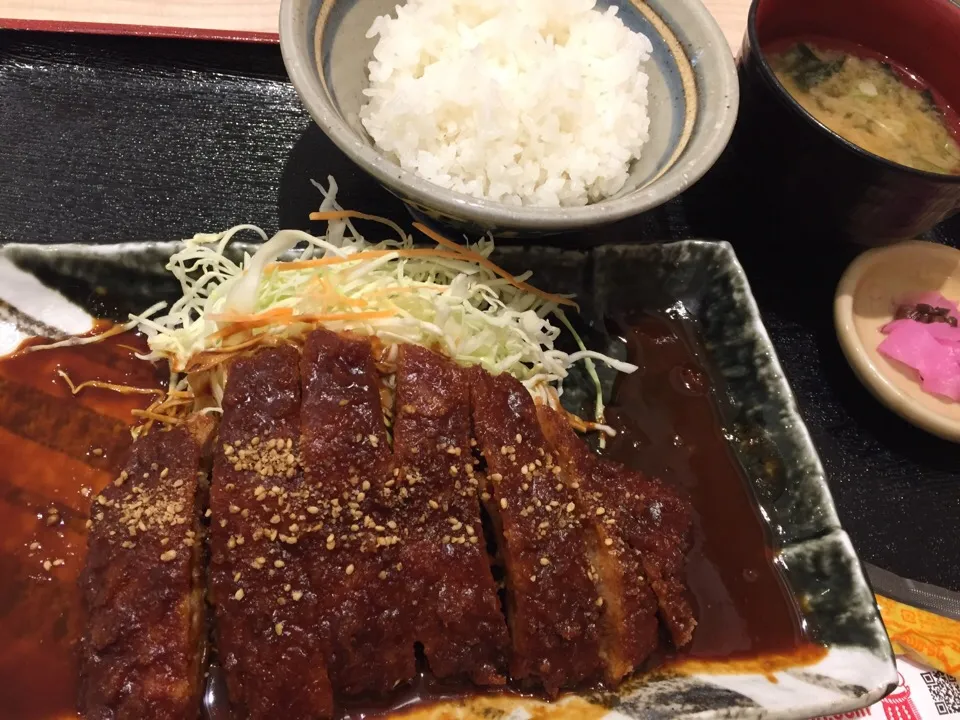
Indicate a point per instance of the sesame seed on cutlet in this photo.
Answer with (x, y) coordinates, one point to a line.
(271, 458)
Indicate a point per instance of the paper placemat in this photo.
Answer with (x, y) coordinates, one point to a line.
(244, 20)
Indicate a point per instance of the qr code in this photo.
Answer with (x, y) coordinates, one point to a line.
(944, 690)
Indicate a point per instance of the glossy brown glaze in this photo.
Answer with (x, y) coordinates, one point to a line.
(143, 647)
(669, 428)
(268, 625)
(360, 569)
(553, 607)
(462, 630)
(61, 450)
(631, 628)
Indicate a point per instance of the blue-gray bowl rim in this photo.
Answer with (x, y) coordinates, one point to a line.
(705, 147)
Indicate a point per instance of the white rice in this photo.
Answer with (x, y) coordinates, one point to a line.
(525, 102)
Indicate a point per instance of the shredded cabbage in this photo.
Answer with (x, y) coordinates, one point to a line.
(447, 301)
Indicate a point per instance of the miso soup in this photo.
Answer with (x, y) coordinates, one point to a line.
(872, 103)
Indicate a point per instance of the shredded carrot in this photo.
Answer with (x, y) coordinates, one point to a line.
(240, 325)
(442, 241)
(344, 214)
(576, 422)
(156, 417)
(224, 350)
(241, 317)
(174, 402)
(461, 255)
(124, 389)
(315, 318)
(237, 326)
(209, 359)
(328, 293)
(164, 410)
(467, 254)
(237, 322)
(74, 341)
(454, 252)
(203, 363)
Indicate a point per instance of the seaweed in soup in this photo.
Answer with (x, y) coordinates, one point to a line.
(808, 69)
(871, 102)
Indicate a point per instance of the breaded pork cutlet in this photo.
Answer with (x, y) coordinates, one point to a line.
(553, 607)
(142, 651)
(268, 628)
(657, 522)
(458, 617)
(358, 564)
(644, 519)
(629, 621)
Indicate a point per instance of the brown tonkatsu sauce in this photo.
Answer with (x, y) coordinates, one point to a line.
(668, 427)
(58, 451)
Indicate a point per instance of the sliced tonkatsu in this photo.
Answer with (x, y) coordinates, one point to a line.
(458, 616)
(553, 607)
(348, 463)
(630, 626)
(143, 646)
(657, 522)
(336, 551)
(643, 522)
(268, 628)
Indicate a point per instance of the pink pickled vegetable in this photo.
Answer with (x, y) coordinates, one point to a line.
(932, 349)
(941, 332)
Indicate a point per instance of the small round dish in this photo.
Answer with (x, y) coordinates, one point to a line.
(866, 300)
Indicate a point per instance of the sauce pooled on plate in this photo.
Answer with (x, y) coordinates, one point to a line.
(60, 449)
(668, 426)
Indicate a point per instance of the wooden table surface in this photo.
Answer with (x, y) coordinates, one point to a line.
(240, 19)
